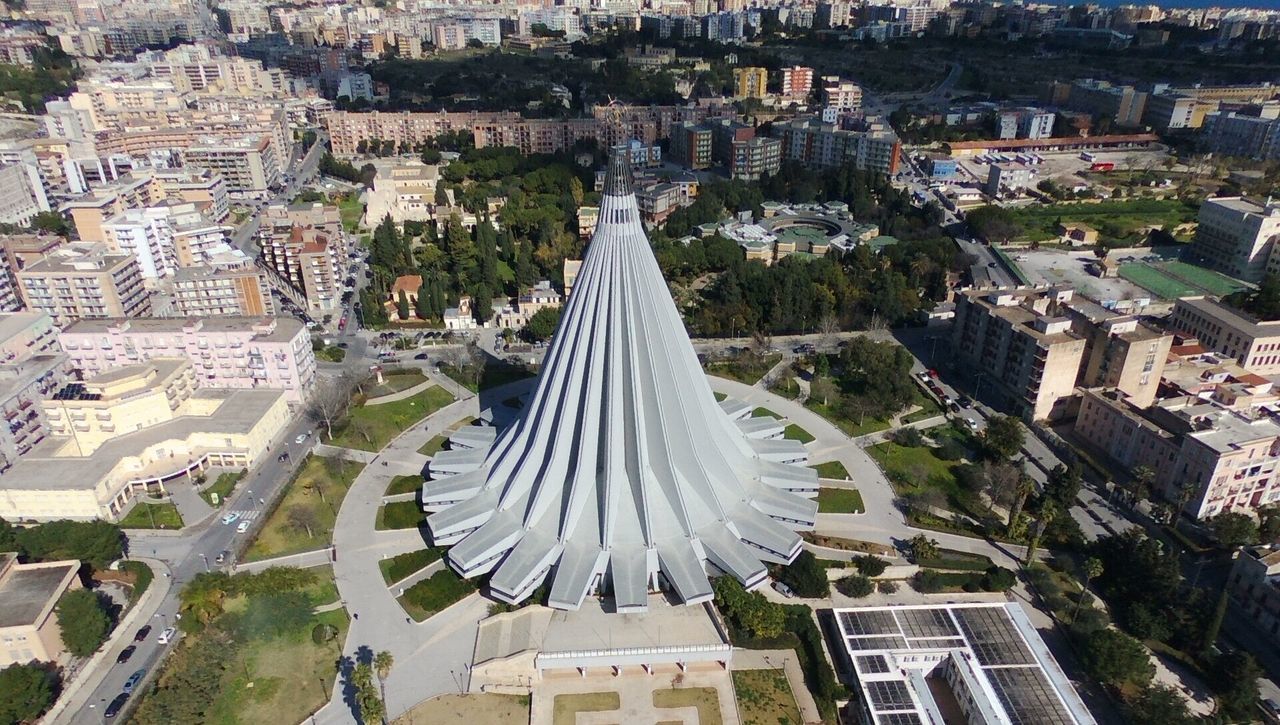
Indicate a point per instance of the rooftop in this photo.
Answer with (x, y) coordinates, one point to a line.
(1229, 316)
(25, 591)
(275, 329)
(14, 323)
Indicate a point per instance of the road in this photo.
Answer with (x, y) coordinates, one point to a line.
(302, 172)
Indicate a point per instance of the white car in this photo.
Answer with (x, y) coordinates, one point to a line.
(230, 518)
(783, 589)
(973, 424)
(243, 527)
(167, 635)
(302, 438)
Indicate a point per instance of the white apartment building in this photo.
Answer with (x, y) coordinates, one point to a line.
(1236, 236)
(22, 194)
(249, 164)
(841, 95)
(145, 234)
(230, 285)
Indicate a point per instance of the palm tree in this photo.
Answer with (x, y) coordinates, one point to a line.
(1143, 478)
(1048, 512)
(1186, 490)
(1021, 491)
(382, 663)
(1092, 569)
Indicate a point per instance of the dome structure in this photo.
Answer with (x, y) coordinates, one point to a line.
(621, 473)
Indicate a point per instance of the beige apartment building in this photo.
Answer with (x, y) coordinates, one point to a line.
(84, 281)
(303, 246)
(1252, 343)
(230, 285)
(1229, 456)
(1037, 344)
(136, 428)
(29, 593)
(1255, 585)
(204, 188)
(249, 164)
(1236, 236)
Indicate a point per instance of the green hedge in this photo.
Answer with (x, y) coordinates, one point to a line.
(399, 567)
(439, 591)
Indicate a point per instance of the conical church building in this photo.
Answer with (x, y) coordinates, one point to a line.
(621, 474)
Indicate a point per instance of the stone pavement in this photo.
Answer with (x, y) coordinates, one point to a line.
(191, 505)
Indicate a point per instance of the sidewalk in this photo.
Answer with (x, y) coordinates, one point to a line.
(406, 393)
(302, 560)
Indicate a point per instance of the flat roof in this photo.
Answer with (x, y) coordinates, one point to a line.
(1056, 141)
(286, 328)
(40, 470)
(1228, 315)
(996, 651)
(12, 323)
(25, 592)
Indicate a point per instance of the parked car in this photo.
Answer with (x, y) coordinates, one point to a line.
(421, 356)
(302, 438)
(973, 424)
(116, 706)
(142, 634)
(133, 680)
(243, 527)
(283, 457)
(230, 518)
(167, 635)
(125, 654)
(223, 555)
(783, 589)
(966, 402)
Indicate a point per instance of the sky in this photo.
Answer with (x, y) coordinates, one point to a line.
(1263, 4)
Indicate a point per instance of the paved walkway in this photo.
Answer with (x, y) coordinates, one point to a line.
(191, 505)
(406, 393)
(303, 560)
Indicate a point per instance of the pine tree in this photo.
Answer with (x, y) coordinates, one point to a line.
(422, 303)
(402, 306)
(526, 274)
(482, 303)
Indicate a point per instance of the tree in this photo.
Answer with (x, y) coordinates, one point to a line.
(856, 586)
(1159, 705)
(382, 663)
(870, 565)
(302, 516)
(83, 621)
(996, 224)
(542, 325)
(922, 548)
(749, 611)
(402, 306)
(26, 691)
(371, 707)
(329, 402)
(1234, 529)
(51, 222)
(1215, 621)
(805, 576)
(1236, 685)
(824, 389)
(1002, 438)
(1144, 477)
(1063, 485)
(97, 543)
(1116, 659)
(1091, 570)
(1186, 491)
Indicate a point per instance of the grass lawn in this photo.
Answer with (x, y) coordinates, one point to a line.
(850, 428)
(565, 708)
(1170, 280)
(404, 484)
(152, 516)
(796, 433)
(910, 469)
(395, 382)
(840, 501)
(719, 396)
(765, 698)
(291, 676)
(832, 469)
(399, 515)
(702, 698)
(402, 565)
(331, 477)
(332, 353)
(491, 376)
(435, 593)
(434, 446)
(928, 409)
(371, 427)
(764, 413)
(223, 486)
(350, 209)
(485, 707)
(746, 369)
(787, 387)
(1116, 221)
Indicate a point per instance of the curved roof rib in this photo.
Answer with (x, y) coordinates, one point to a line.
(622, 468)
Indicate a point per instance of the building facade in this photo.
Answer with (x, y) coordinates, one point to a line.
(1254, 344)
(1236, 235)
(85, 281)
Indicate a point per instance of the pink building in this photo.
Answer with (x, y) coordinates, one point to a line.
(227, 352)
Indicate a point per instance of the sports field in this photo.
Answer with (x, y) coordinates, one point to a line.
(1171, 280)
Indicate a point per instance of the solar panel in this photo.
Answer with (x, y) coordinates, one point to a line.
(898, 718)
(1027, 696)
(872, 664)
(926, 623)
(936, 643)
(992, 636)
(873, 622)
(866, 643)
(889, 695)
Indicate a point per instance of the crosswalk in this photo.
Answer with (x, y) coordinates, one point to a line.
(246, 515)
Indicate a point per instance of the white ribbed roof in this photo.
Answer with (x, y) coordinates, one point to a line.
(621, 464)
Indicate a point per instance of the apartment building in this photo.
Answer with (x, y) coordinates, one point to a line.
(22, 194)
(227, 352)
(872, 147)
(1254, 583)
(229, 285)
(797, 81)
(1010, 177)
(1229, 456)
(145, 188)
(750, 82)
(1171, 111)
(29, 595)
(1251, 132)
(724, 133)
(754, 158)
(249, 165)
(1237, 236)
(1253, 344)
(84, 281)
(1123, 104)
(31, 366)
(691, 145)
(657, 202)
(16, 252)
(304, 247)
(840, 94)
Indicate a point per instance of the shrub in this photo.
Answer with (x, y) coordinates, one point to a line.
(927, 581)
(888, 587)
(870, 565)
(856, 586)
(908, 437)
(806, 577)
(949, 450)
(998, 579)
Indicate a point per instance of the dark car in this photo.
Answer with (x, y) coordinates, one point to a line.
(125, 654)
(116, 706)
(142, 633)
(966, 402)
(422, 356)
